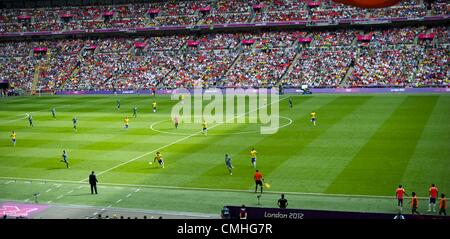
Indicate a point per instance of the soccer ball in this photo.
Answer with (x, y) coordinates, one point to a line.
(150, 163)
(266, 185)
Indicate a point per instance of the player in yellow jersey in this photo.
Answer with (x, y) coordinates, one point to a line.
(158, 158)
(253, 157)
(13, 138)
(205, 127)
(154, 106)
(126, 120)
(313, 117)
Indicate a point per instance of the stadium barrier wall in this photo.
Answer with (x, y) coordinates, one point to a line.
(370, 90)
(286, 91)
(301, 214)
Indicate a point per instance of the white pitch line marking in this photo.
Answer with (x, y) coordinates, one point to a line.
(137, 190)
(59, 197)
(120, 200)
(177, 141)
(48, 190)
(80, 187)
(8, 182)
(26, 200)
(49, 202)
(215, 189)
(236, 133)
(129, 195)
(17, 119)
(109, 206)
(71, 191)
(26, 114)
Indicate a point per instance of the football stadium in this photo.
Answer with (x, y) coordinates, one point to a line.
(209, 109)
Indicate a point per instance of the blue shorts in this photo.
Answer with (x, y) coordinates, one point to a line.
(205, 129)
(432, 200)
(14, 140)
(253, 160)
(160, 161)
(313, 119)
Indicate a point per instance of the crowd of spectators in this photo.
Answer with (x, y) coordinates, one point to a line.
(166, 42)
(434, 69)
(55, 71)
(259, 67)
(199, 68)
(334, 38)
(15, 48)
(219, 41)
(395, 36)
(341, 12)
(235, 6)
(393, 57)
(442, 34)
(440, 8)
(319, 68)
(114, 44)
(380, 68)
(170, 13)
(287, 5)
(281, 16)
(177, 20)
(69, 46)
(18, 71)
(398, 11)
(278, 39)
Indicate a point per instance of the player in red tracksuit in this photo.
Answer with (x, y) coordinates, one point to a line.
(414, 204)
(399, 194)
(433, 196)
(442, 205)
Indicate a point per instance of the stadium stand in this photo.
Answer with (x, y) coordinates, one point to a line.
(197, 13)
(372, 57)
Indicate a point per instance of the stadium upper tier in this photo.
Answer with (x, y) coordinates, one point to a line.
(166, 13)
(403, 57)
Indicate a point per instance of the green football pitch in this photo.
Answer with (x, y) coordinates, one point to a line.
(362, 148)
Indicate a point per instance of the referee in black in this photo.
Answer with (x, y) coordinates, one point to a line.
(93, 182)
(282, 202)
